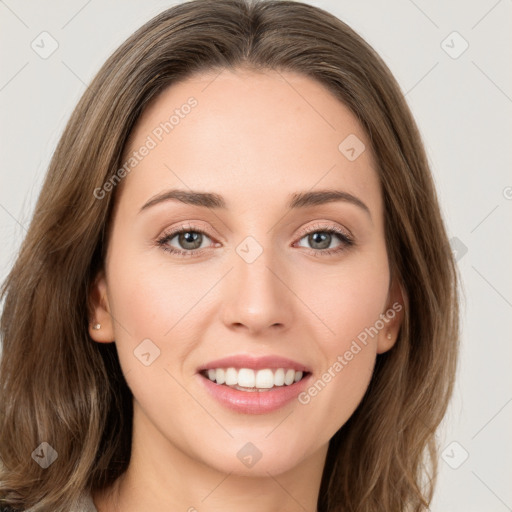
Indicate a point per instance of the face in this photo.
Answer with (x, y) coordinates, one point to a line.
(270, 277)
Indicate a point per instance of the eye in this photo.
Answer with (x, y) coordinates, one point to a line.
(189, 239)
(320, 238)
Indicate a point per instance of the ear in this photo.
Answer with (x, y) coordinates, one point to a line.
(99, 311)
(392, 317)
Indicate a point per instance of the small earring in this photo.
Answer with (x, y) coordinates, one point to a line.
(388, 336)
(96, 327)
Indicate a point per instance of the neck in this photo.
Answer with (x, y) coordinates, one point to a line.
(162, 477)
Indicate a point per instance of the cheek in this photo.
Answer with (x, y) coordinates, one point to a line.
(333, 396)
(155, 298)
(154, 313)
(351, 306)
(351, 296)
(358, 306)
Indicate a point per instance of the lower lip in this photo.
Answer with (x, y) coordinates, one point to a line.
(254, 402)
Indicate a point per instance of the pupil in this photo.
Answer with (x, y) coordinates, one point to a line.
(189, 237)
(325, 239)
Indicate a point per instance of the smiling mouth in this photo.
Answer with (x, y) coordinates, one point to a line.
(249, 380)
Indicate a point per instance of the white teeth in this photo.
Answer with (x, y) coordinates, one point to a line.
(289, 377)
(220, 376)
(264, 379)
(254, 379)
(231, 377)
(246, 378)
(279, 377)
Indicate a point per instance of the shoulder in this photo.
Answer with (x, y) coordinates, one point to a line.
(86, 504)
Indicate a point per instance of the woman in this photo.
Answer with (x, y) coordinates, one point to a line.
(237, 288)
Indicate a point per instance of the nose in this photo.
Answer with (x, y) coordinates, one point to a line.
(257, 295)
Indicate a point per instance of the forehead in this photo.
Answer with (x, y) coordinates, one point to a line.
(250, 136)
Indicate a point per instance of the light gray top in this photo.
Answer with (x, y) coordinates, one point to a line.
(84, 505)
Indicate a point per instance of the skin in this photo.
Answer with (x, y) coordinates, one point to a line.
(254, 139)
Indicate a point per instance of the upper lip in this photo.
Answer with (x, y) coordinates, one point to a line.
(254, 362)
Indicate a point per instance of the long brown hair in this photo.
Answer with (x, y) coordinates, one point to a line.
(59, 387)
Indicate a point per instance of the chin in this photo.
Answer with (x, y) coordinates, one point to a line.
(255, 459)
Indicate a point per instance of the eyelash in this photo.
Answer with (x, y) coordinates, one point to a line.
(346, 240)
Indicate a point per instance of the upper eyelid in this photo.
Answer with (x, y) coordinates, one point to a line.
(319, 226)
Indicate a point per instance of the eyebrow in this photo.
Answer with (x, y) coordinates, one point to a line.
(216, 201)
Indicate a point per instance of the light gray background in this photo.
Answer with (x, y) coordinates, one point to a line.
(463, 107)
